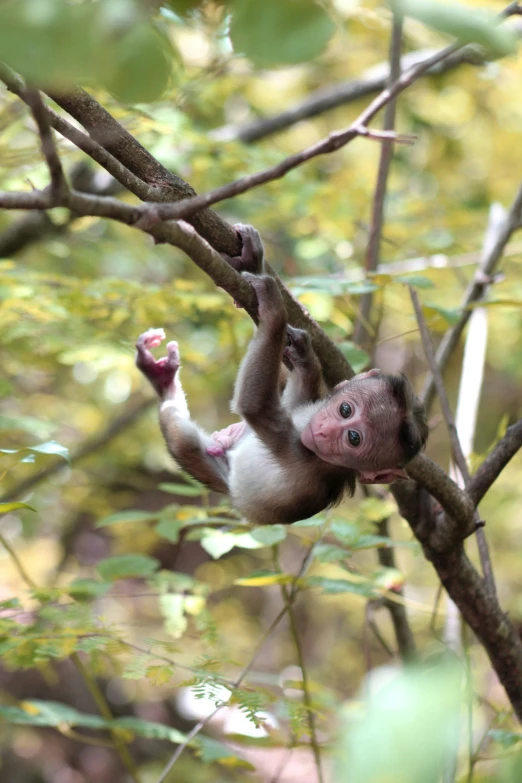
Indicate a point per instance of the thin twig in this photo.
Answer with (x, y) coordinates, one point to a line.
(114, 428)
(458, 454)
(361, 334)
(492, 253)
(371, 81)
(81, 140)
(307, 698)
(268, 633)
(59, 189)
(495, 462)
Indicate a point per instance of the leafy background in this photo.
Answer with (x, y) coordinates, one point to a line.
(137, 572)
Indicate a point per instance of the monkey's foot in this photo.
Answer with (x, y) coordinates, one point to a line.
(251, 258)
(160, 372)
(299, 348)
(270, 306)
(225, 439)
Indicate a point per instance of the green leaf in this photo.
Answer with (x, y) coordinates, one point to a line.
(127, 566)
(184, 490)
(143, 65)
(451, 316)
(147, 728)
(375, 509)
(83, 589)
(51, 447)
(330, 553)
(280, 31)
(264, 578)
(170, 529)
(345, 532)
(414, 743)
(172, 607)
(416, 281)
(336, 586)
(211, 751)
(477, 26)
(49, 713)
(358, 358)
(268, 535)
(127, 516)
(6, 508)
(505, 738)
(372, 542)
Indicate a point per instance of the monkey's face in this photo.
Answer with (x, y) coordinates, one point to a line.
(357, 428)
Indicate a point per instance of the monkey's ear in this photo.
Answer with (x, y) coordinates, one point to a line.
(382, 476)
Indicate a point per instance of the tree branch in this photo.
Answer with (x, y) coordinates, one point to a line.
(458, 454)
(361, 334)
(372, 81)
(36, 225)
(491, 254)
(58, 188)
(495, 462)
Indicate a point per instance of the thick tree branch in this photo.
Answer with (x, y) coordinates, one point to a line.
(165, 185)
(479, 608)
(453, 500)
(495, 462)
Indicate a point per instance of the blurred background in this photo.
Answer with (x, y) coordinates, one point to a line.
(167, 629)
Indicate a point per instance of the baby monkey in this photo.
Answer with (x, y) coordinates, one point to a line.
(297, 452)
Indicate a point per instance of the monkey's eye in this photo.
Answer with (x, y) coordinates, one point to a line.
(354, 438)
(345, 410)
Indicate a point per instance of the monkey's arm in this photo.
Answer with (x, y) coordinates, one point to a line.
(185, 440)
(257, 397)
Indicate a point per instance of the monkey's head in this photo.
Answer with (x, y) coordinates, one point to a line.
(372, 424)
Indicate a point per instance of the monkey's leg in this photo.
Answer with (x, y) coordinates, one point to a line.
(185, 440)
(305, 383)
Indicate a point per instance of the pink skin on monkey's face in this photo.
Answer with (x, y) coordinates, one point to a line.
(341, 432)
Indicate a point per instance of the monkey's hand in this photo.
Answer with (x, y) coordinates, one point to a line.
(270, 306)
(160, 372)
(252, 253)
(299, 350)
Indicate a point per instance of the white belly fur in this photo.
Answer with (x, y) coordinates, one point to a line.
(256, 475)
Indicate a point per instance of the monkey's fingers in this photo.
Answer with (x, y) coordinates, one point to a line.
(150, 339)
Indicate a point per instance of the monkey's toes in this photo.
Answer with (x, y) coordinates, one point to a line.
(173, 353)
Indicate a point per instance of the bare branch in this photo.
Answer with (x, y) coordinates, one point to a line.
(491, 254)
(91, 445)
(95, 151)
(495, 462)
(372, 81)
(458, 454)
(59, 188)
(361, 334)
(34, 226)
